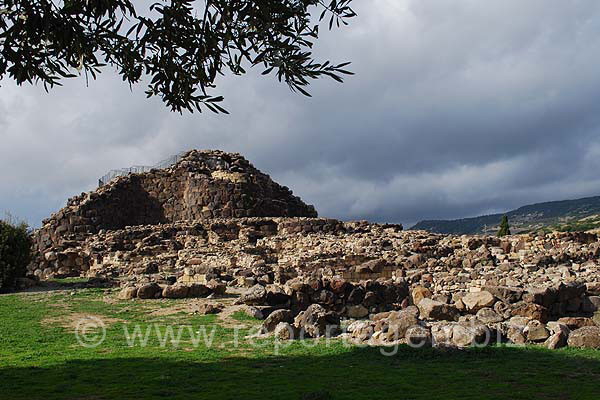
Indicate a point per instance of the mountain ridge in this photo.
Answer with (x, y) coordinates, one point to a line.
(559, 215)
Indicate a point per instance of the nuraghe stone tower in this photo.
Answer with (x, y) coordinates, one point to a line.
(202, 185)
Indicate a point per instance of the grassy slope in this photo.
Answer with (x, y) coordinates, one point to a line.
(41, 360)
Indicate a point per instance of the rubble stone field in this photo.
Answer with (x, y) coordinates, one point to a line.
(213, 233)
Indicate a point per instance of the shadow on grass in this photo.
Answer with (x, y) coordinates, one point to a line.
(345, 373)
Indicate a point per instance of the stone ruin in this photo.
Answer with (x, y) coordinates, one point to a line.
(201, 185)
(212, 223)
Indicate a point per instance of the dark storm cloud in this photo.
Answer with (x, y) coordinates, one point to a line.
(458, 107)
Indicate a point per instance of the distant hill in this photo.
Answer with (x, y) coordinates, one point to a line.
(566, 215)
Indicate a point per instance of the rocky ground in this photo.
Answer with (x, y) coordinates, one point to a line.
(377, 283)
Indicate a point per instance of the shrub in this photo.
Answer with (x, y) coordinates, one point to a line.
(15, 252)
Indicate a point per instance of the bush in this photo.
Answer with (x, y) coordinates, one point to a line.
(15, 252)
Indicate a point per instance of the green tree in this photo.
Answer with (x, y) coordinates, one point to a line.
(15, 251)
(180, 46)
(504, 227)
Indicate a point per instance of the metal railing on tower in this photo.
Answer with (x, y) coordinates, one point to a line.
(136, 169)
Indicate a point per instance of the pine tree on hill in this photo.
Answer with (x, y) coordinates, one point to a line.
(504, 227)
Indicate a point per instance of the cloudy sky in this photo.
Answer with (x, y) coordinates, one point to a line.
(457, 108)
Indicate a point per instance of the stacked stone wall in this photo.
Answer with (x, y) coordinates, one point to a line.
(175, 248)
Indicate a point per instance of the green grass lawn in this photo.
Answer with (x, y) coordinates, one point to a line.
(40, 358)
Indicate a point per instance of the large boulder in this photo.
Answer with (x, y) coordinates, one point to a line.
(586, 338)
(128, 293)
(275, 318)
(361, 331)
(175, 292)
(276, 296)
(418, 336)
(530, 310)
(556, 341)
(285, 331)
(478, 300)
(149, 291)
(208, 308)
(535, 331)
(488, 316)
(218, 288)
(199, 290)
(398, 324)
(460, 334)
(436, 310)
(505, 293)
(555, 326)
(544, 296)
(559, 333)
(419, 293)
(254, 296)
(316, 322)
(515, 329)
